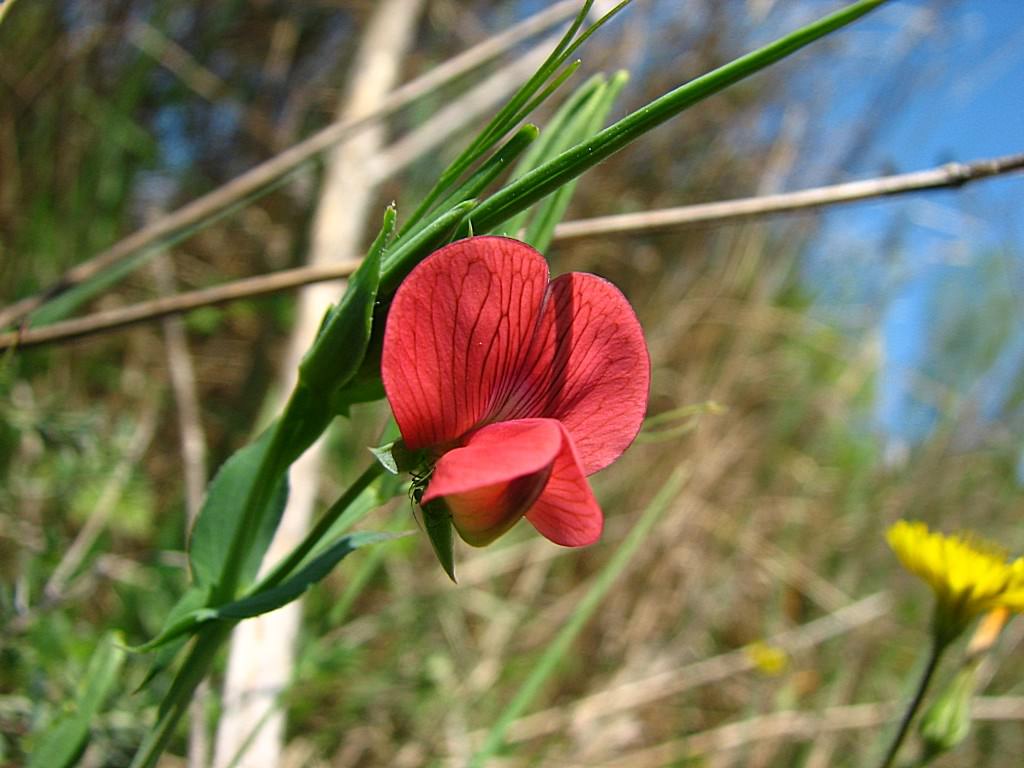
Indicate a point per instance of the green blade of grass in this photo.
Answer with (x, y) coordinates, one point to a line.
(559, 647)
(485, 174)
(64, 740)
(542, 228)
(516, 109)
(539, 183)
(552, 140)
(211, 636)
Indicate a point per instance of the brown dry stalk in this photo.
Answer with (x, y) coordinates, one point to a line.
(949, 175)
(660, 685)
(946, 176)
(183, 302)
(793, 725)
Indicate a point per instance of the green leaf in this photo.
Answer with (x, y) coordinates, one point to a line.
(410, 251)
(344, 335)
(367, 493)
(193, 599)
(485, 174)
(362, 389)
(306, 576)
(63, 741)
(396, 458)
(438, 524)
(584, 124)
(554, 139)
(507, 117)
(384, 455)
(265, 600)
(243, 509)
(220, 521)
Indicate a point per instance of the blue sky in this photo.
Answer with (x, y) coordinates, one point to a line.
(914, 267)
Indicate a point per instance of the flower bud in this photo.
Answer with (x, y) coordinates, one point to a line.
(947, 721)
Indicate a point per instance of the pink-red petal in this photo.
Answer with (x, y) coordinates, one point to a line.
(489, 483)
(457, 331)
(567, 512)
(588, 367)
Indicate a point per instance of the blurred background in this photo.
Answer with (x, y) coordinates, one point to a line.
(818, 375)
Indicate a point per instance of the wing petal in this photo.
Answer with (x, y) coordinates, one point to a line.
(489, 483)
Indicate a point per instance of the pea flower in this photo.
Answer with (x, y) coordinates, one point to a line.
(969, 576)
(515, 388)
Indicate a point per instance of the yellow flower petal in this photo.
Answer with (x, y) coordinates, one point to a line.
(968, 575)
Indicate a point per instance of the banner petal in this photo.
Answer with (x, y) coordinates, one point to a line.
(588, 367)
(457, 331)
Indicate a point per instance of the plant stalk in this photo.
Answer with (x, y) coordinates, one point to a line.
(938, 647)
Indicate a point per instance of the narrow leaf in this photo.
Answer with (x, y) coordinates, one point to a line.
(552, 142)
(264, 601)
(220, 520)
(535, 185)
(193, 599)
(588, 122)
(384, 455)
(438, 524)
(486, 173)
(304, 578)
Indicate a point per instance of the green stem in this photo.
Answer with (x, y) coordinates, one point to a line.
(293, 433)
(216, 633)
(192, 672)
(317, 533)
(938, 647)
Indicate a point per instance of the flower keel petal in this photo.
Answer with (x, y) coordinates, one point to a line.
(567, 512)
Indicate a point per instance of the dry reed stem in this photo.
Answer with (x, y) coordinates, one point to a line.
(945, 176)
(642, 691)
(795, 725)
(951, 175)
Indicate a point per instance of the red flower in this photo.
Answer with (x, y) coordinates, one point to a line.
(517, 387)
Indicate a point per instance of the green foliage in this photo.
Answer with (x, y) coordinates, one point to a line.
(218, 521)
(61, 743)
(195, 609)
(437, 523)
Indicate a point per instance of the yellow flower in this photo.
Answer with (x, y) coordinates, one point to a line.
(969, 576)
(769, 659)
